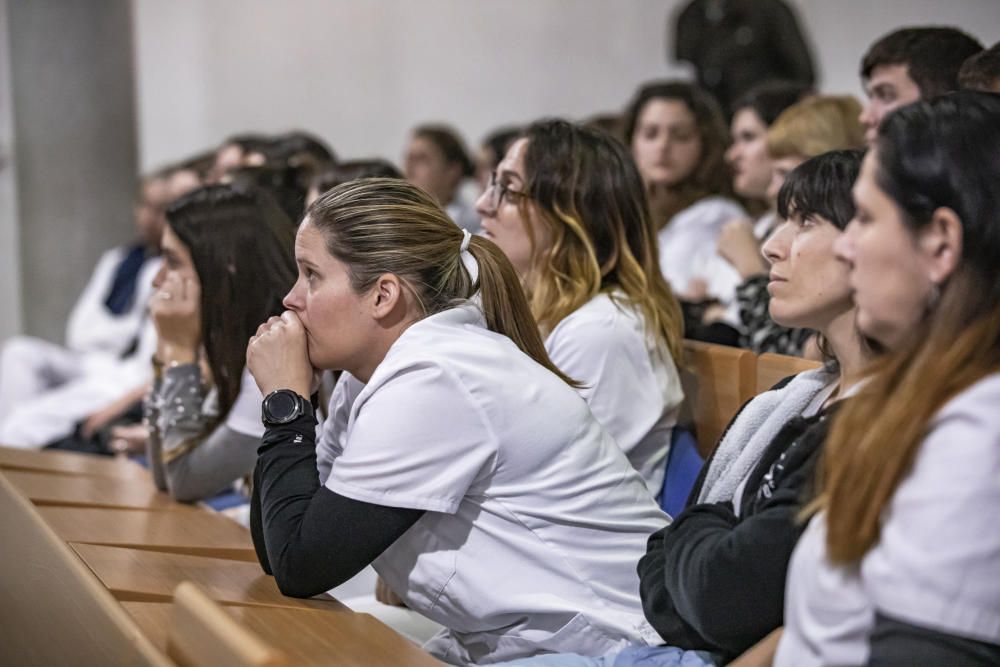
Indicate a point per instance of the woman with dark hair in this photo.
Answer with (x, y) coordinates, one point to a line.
(900, 564)
(755, 112)
(738, 244)
(437, 161)
(491, 150)
(810, 127)
(456, 459)
(713, 581)
(678, 139)
(349, 171)
(227, 263)
(567, 207)
(240, 150)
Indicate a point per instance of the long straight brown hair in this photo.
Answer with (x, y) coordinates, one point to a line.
(242, 246)
(941, 153)
(385, 225)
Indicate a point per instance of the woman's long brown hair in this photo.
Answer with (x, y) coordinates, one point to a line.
(942, 153)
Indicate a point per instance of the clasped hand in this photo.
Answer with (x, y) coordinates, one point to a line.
(278, 356)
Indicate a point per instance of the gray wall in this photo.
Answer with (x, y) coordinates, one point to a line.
(10, 264)
(360, 73)
(72, 98)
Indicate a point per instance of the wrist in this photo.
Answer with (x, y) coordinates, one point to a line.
(300, 388)
(285, 406)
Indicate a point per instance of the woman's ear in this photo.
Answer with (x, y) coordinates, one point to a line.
(940, 242)
(386, 295)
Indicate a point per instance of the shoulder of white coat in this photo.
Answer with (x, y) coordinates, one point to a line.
(603, 321)
(109, 260)
(424, 358)
(973, 408)
(718, 209)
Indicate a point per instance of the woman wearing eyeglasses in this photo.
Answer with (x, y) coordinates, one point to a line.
(567, 207)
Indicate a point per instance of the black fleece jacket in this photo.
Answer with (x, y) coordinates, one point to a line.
(715, 581)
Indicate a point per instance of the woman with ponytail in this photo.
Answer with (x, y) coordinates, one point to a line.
(457, 459)
(900, 564)
(567, 207)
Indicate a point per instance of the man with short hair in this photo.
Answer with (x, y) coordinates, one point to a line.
(911, 64)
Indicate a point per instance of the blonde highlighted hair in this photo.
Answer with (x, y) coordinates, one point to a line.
(816, 125)
(584, 187)
(384, 225)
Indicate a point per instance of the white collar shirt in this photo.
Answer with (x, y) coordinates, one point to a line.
(535, 520)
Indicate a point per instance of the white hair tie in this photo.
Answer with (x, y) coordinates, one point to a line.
(470, 263)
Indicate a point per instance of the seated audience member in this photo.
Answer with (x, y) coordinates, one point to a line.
(287, 165)
(911, 64)
(351, 170)
(436, 160)
(492, 149)
(713, 581)
(982, 71)
(740, 239)
(678, 139)
(46, 391)
(242, 150)
(228, 261)
(900, 564)
(808, 128)
(422, 465)
(568, 209)
(611, 123)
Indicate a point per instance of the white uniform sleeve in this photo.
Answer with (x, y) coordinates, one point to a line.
(937, 564)
(417, 441)
(613, 364)
(689, 241)
(244, 416)
(334, 431)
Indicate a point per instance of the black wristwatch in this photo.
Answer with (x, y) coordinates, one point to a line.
(282, 406)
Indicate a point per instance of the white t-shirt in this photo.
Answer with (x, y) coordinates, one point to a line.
(688, 241)
(535, 520)
(937, 563)
(244, 417)
(91, 326)
(631, 384)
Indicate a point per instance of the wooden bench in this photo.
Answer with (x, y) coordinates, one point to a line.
(717, 381)
(771, 368)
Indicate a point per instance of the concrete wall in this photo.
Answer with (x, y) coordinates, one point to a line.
(361, 73)
(10, 264)
(72, 99)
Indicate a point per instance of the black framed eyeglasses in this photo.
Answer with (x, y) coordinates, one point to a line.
(500, 191)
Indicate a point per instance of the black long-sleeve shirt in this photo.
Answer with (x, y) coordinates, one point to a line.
(310, 538)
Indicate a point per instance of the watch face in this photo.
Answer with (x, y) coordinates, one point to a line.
(281, 406)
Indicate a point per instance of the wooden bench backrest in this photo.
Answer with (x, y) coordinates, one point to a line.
(54, 611)
(717, 381)
(771, 368)
(202, 634)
